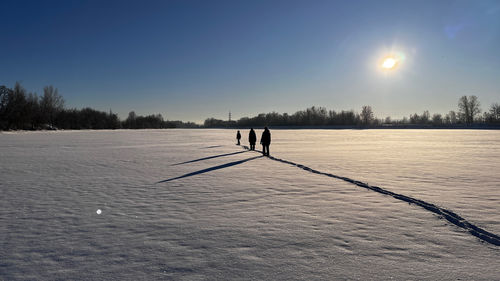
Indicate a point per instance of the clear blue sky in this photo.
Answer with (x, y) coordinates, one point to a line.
(191, 60)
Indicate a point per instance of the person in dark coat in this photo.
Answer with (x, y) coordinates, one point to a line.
(252, 138)
(265, 140)
(238, 137)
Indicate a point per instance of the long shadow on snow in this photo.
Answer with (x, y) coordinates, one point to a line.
(212, 168)
(209, 157)
(452, 217)
(213, 146)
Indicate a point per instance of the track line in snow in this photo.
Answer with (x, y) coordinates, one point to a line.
(452, 217)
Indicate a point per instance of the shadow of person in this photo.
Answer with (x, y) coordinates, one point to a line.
(213, 146)
(227, 165)
(209, 157)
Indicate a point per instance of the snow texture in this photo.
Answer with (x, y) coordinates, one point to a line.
(449, 215)
(190, 205)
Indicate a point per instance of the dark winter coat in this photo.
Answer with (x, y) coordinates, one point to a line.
(238, 135)
(252, 138)
(266, 138)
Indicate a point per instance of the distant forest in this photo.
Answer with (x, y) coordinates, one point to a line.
(468, 115)
(20, 110)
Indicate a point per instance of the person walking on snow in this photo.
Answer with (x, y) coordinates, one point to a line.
(238, 137)
(265, 140)
(252, 138)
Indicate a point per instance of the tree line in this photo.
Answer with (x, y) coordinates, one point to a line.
(20, 110)
(468, 114)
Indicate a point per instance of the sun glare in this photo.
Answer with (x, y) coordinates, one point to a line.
(389, 63)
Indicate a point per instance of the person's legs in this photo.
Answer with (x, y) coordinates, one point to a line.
(238, 141)
(267, 150)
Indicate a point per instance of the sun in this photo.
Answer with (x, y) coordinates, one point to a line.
(389, 63)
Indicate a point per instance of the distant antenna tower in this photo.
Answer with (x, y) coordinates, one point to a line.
(229, 115)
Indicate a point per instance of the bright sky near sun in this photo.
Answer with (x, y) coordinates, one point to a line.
(190, 60)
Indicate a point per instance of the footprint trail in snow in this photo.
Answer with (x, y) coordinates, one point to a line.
(452, 217)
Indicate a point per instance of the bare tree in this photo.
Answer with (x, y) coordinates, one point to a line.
(468, 108)
(130, 122)
(437, 119)
(474, 107)
(463, 109)
(495, 111)
(5, 96)
(414, 118)
(5, 93)
(494, 114)
(366, 115)
(453, 117)
(51, 104)
(425, 117)
(17, 107)
(33, 110)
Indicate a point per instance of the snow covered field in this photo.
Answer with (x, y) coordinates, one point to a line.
(191, 205)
